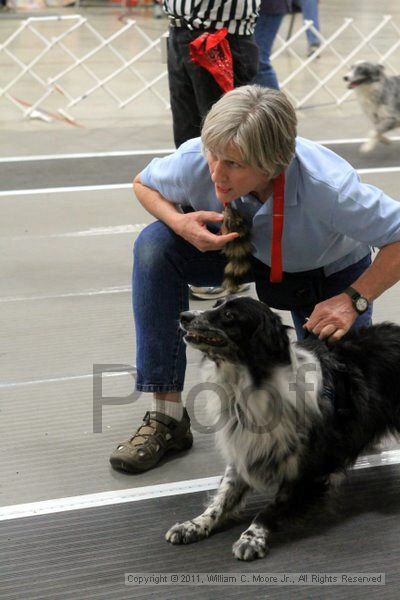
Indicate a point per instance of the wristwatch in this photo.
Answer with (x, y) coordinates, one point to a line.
(360, 303)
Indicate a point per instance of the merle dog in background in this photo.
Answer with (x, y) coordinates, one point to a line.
(290, 414)
(379, 96)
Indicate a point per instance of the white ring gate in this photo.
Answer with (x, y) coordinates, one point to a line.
(54, 69)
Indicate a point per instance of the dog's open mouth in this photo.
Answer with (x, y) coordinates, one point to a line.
(355, 83)
(208, 338)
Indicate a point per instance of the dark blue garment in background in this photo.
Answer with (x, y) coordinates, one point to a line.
(267, 26)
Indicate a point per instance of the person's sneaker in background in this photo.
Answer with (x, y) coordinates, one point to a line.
(312, 50)
(213, 293)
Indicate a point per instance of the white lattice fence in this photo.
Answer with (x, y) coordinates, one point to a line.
(61, 69)
(309, 77)
(125, 65)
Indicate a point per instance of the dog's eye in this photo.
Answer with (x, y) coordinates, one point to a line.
(229, 316)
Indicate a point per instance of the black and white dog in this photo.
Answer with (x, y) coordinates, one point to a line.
(293, 414)
(379, 97)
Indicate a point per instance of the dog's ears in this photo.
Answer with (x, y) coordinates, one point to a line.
(269, 343)
(219, 302)
(270, 329)
(381, 67)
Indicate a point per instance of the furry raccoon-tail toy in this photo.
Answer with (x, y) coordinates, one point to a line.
(237, 252)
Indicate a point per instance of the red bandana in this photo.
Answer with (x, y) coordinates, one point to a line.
(212, 52)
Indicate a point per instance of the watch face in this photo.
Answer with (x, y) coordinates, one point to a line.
(361, 304)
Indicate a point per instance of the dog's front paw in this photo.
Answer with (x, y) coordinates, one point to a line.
(385, 140)
(367, 147)
(186, 533)
(250, 546)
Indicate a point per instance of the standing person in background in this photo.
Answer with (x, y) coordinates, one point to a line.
(157, 9)
(309, 8)
(193, 89)
(268, 23)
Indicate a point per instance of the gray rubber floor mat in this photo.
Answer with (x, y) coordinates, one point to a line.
(85, 554)
(67, 172)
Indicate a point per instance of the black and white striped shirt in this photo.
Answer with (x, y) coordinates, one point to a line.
(239, 16)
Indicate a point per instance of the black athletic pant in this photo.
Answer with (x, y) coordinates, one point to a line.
(192, 88)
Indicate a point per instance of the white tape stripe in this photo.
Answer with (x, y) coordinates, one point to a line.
(9, 159)
(378, 170)
(46, 507)
(112, 230)
(112, 290)
(349, 141)
(382, 459)
(59, 190)
(38, 157)
(57, 505)
(120, 186)
(14, 384)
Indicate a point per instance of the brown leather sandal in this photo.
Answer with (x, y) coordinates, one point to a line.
(158, 435)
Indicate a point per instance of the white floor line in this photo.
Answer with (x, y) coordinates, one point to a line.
(121, 186)
(63, 190)
(38, 157)
(124, 289)
(46, 507)
(378, 170)
(8, 159)
(15, 384)
(350, 141)
(58, 505)
(111, 230)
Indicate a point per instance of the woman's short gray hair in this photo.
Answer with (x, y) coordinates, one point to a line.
(260, 122)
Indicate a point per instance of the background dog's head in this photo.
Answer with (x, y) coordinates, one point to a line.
(239, 330)
(363, 72)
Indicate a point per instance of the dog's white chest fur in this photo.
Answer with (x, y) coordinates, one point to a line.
(369, 97)
(261, 431)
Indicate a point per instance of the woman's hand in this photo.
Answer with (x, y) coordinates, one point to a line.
(192, 228)
(332, 318)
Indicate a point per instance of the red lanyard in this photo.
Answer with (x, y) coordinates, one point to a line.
(278, 200)
(277, 228)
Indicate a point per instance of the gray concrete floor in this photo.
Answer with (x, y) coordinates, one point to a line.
(64, 293)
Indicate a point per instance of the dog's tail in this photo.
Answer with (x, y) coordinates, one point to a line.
(237, 252)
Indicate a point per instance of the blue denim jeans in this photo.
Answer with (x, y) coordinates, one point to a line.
(164, 265)
(265, 32)
(309, 8)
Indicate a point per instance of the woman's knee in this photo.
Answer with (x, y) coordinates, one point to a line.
(153, 245)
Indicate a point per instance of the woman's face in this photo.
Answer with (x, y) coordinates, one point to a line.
(232, 178)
